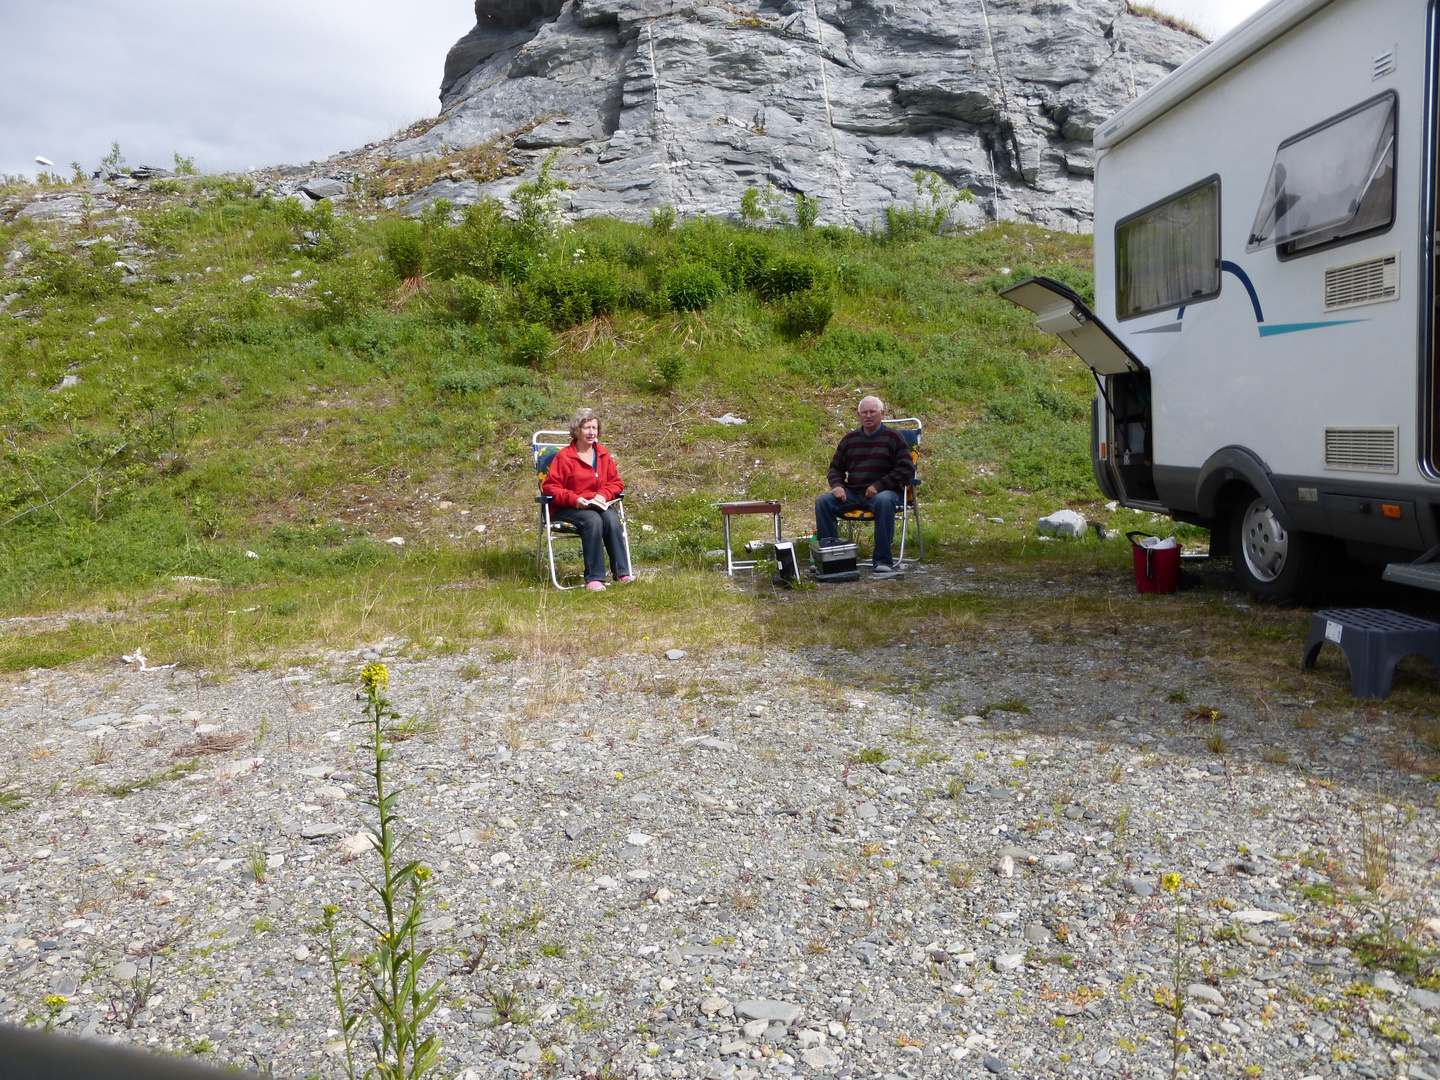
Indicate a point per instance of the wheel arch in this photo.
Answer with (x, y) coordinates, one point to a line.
(1224, 478)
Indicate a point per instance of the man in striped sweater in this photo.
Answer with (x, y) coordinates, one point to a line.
(870, 471)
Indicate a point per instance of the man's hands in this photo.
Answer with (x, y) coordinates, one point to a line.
(839, 492)
(871, 491)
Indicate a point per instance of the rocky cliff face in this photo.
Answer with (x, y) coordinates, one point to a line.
(655, 102)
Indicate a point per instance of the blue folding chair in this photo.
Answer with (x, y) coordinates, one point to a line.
(909, 505)
(544, 445)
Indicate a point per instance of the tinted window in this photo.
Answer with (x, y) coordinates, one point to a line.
(1168, 254)
(1330, 183)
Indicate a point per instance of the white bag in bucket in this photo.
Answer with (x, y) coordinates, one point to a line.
(1155, 543)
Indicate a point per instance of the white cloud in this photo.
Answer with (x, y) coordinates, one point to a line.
(233, 85)
(1210, 17)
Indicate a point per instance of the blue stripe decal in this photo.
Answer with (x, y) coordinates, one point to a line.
(1296, 327)
(1234, 268)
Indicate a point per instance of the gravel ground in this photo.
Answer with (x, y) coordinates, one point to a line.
(747, 865)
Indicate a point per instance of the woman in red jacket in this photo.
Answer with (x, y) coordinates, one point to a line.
(583, 482)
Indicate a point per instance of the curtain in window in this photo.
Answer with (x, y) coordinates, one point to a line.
(1169, 255)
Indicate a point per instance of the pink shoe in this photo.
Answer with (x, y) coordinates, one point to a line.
(626, 579)
(595, 586)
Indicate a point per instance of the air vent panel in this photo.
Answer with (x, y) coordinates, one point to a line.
(1357, 449)
(1371, 281)
(1382, 64)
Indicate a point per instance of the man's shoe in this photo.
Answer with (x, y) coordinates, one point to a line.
(885, 570)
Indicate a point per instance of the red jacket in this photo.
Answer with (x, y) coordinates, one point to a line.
(571, 479)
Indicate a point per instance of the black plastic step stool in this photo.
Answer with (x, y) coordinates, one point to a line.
(1373, 640)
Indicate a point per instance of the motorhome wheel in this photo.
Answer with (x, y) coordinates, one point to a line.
(1271, 562)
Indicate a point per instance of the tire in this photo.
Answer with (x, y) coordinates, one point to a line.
(1271, 563)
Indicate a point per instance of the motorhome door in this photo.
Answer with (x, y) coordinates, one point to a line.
(1124, 451)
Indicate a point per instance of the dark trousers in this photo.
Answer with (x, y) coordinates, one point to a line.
(599, 533)
(828, 510)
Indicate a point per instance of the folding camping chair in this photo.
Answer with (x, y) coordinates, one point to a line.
(543, 448)
(909, 506)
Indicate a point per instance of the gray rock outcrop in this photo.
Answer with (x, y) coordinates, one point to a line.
(654, 102)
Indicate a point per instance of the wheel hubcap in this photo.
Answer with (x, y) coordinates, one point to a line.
(1265, 543)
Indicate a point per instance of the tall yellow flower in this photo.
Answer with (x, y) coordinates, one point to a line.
(375, 676)
(1170, 882)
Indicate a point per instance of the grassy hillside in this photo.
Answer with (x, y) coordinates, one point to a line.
(283, 390)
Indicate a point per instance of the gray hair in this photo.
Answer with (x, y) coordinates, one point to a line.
(871, 397)
(582, 415)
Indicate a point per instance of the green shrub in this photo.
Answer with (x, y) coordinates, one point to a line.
(526, 403)
(477, 302)
(786, 275)
(693, 287)
(662, 218)
(88, 275)
(807, 209)
(532, 345)
(847, 355)
(670, 368)
(806, 314)
(930, 212)
(537, 202)
(566, 296)
(348, 291)
(405, 249)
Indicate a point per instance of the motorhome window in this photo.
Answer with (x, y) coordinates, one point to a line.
(1168, 254)
(1333, 182)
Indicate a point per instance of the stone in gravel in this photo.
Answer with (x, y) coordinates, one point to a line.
(1008, 961)
(358, 843)
(1062, 863)
(766, 1009)
(1019, 854)
(1102, 1056)
(1426, 999)
(530, 1053)
(1140, 886)
(674, 654)
(1385, 982)
(639, 839)
(238, 768)
(1202, 992)
(708, 742)
(464, 837)
(1005, 867)
(810, 1037)
(123, 971)
(301, 953)
(1037, 934)
(996, 1066)
(330, 793)
(605, 881)
(575, 829)
(321, 830)
(754, 1028)
(98, 720)
(821, 1058)
(891, 766)
(867, 811)
(1253, 917)
(735, 1046)
(714, 1004)
(437, 924)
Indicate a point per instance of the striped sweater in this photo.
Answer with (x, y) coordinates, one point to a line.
(882, 459)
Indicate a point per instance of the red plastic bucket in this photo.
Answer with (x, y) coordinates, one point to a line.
(1156, 570)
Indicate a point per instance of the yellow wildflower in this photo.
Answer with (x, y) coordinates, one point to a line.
(54, 1002)
(375, 676)
(1170, 882)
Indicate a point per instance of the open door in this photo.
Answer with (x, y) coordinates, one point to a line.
(1123, 449)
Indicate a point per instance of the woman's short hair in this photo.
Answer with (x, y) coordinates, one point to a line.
(582, 415)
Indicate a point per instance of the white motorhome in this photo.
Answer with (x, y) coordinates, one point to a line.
(1263, 332)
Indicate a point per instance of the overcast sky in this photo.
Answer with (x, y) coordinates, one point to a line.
(241, 85)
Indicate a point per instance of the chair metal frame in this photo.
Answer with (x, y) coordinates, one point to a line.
(549, 529)
(909, 505)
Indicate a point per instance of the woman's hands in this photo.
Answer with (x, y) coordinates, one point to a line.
(595, 502)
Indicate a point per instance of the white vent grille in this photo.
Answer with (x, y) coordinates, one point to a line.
(1383, 64)
(1375, 450)
(1373, 281)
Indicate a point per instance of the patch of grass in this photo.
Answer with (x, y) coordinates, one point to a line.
(870, 756)
(177, 771)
